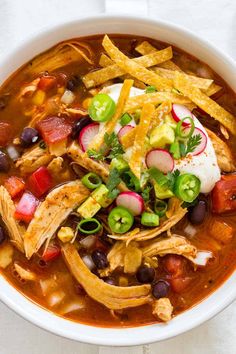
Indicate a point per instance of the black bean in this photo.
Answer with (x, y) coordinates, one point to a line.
(73, 83)
(4, 162)
(160, 289)
(29, 136)
(100, 259)
(145, 274)
(197, 213)
(2, 235)
(79, 125)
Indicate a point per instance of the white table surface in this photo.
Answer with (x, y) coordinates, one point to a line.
(211, 19)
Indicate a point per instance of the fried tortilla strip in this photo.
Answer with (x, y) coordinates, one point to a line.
(146, 48)
(205, 103)
(163, 309)
(223, 153)
(152, 233)
(7, 212)
(133, 103)
(138, 148)
(194, 80)
(127, 140)
(49, 215)
(173, 245)
(212, 89)
(96, 78)
(135, 69)
(113, 297)
(110, 125)
(33, 159)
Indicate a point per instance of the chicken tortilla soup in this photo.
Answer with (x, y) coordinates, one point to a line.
(118, 184)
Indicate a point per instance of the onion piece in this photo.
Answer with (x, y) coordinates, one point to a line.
(24, 273)
(160, 159)
(6, 255)
(56, 298)
(67, 97)
(202, 258)
(88, 262)
(88, 241)
(131, 201)
(74, 305)
(190, 230)
(12, 152)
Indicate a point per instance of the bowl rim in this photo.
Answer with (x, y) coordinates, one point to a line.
(120, 336)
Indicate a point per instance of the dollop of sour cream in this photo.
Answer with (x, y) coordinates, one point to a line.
(204, 165)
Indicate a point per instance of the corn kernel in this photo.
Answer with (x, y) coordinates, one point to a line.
(86, 102)
(38, 97)
(65, 234)
(123, 281)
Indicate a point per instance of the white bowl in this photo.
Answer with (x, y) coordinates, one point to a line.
(219, 299)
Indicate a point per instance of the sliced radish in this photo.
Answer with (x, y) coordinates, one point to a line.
(131, 201)
(201, 147)
(180, 112)
(124, 130)
(87, 135)
(161, 159)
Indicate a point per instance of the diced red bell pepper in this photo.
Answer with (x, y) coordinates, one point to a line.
(224, 195)
(5, 133)
(26, 207)
(52, 252)
(54, 129)
(47, 83)
(40, 181)
(14, 185)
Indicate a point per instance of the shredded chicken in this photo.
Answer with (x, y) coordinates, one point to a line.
(148, 234)
(29, 89)
(223, 153)
(163, 309)
(33, 159)
(113, 297)
(7, 211)
(127, 257)
(49, 215)
(172, 245)
(23, 273)
(58, 170)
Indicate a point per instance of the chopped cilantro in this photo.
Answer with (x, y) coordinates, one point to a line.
(113, 181)
(193, 142)
(150, 89)
(167, 180)
(96, 155)
(146, 193)
(113, 144)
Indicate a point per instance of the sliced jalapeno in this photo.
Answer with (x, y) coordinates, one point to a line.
(91, 180)
(89, 226)
(101, 108)
(187, 187)
(160, 207)
(120, 220)
(181, 131)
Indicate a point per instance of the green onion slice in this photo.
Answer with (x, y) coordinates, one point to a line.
(89, 226)
(91, 180)
(185, 132)
(125, 119)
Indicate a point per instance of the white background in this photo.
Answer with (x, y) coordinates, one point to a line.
(214, 20)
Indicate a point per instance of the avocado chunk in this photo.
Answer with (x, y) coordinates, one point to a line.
(100, 196)
(162, 192)
(120, 164)
(89, 208)
(161, 136)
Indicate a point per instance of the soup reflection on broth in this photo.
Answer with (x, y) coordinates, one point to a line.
(118, 184)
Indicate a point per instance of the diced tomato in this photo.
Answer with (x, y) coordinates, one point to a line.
(40, 181)
(47, 83)
(52, 252)
(224, 195)
(174, 264)
(14, 185)
(5, 133)
(178, 285)
(54, 129)
(26, 207)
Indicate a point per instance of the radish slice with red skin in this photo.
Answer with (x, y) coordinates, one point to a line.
(131, 201)
(201, 147)
(161, 159)
(124, 130)
(87, 135)
(180, 112)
